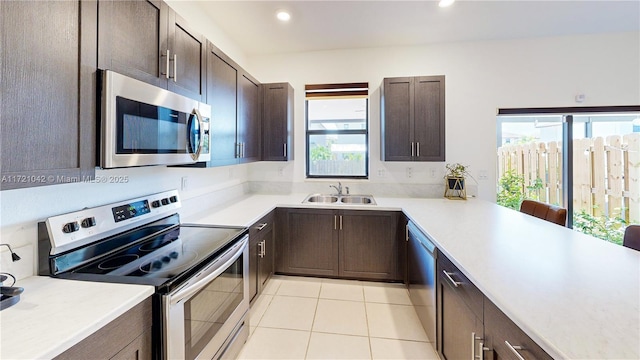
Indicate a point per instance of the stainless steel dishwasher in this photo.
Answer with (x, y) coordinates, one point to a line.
(422, 277)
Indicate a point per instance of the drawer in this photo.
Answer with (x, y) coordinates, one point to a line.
(499, 329)
(264, 224)
(449, 274)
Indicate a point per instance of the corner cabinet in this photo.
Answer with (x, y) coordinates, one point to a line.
(148, 41)
(126, 337)
(413, 119)
(48, 130)
(277, 120)
(356, 244)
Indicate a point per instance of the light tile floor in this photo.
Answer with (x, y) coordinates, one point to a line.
(309, 318)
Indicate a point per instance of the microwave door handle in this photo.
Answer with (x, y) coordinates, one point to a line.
(228, 259)
(196, 154)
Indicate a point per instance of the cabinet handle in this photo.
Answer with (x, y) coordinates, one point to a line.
(514, 350)
(406, 232)
(418, 149)
(482, 350)
(340, 222)
(166, 73)
(260, 249)
(175, 67)
(261, 226)
(473, 347)
(412, 149)
(448, 275)
(335, 222)
(264, 248)
(285, 150)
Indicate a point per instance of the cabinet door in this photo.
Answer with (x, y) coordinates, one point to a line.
(221, 95)
(266, 261)
(133, 39)
(460, 313)
(248, 129)
(138, 349)
(187, 59)
(277, 120)
(397, 119)
(47, 133)
(429, 118)
(368, 245)
(310, 243)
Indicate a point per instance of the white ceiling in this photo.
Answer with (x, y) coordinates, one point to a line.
(329, 25)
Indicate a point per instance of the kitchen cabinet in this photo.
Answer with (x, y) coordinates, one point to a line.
(460, 328)
(249, 129)
(340, 243)
(505, 338)
(48, 129)
(277, 119)
(234, 96)
(413, 119)
(261, 253)
(148, 41)
(126, 337)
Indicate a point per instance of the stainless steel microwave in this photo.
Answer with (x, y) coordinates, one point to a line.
(141, 124)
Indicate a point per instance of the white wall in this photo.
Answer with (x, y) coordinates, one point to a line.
(480, 77)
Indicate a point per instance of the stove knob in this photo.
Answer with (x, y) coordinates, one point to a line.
(166, 259)
(165, 201)
(155, 204)
(156, 264)
(88, 222)
(173, 199)
(174, 254)
(70, 227)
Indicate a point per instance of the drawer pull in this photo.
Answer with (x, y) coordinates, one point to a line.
(448, 275)
(262, 226)
(514, 350)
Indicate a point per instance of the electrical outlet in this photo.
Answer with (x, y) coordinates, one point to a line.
(381, 173)
(432, 173)
(184, 183)
(409, 172)
(483, 175)
(281, 171)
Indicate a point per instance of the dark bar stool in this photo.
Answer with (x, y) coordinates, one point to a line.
(544, 211)
(632, 237)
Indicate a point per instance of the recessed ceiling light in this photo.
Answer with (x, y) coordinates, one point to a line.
(283, 15)
(445, 3)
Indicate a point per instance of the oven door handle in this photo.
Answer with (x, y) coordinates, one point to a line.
(209, 273)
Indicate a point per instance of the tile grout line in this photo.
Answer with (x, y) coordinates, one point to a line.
(315, 313)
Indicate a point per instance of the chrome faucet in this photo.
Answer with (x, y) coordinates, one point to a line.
(338, 188)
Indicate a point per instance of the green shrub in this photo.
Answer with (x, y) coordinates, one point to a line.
(602, 227)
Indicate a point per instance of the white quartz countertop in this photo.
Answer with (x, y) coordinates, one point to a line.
(54, 314)
(576, 296)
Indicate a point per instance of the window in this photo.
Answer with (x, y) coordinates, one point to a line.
(337, 118)
(583, 159)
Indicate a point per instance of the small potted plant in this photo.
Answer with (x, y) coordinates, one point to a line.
(455, 181)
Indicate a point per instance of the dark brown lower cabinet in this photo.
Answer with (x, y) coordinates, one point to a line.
(470, 326)
(460, 326)
(357, 244)
(126, 337)
(506, 339)
(261, 254)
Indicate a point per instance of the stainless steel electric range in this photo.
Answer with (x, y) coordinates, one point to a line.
(200, 272)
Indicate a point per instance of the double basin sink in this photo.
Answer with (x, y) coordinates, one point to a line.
(340, 199)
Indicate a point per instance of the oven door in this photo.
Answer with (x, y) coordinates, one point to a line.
(203, 316)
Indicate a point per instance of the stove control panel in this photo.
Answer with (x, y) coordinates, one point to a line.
(71, 230)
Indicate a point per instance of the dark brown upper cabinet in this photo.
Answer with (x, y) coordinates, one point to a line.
(234, 96)
(413, 119)
(277, 120)
(249, 127)
(148, 41)
(48, 88)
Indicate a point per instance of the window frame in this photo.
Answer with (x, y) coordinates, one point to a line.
(309, 133)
